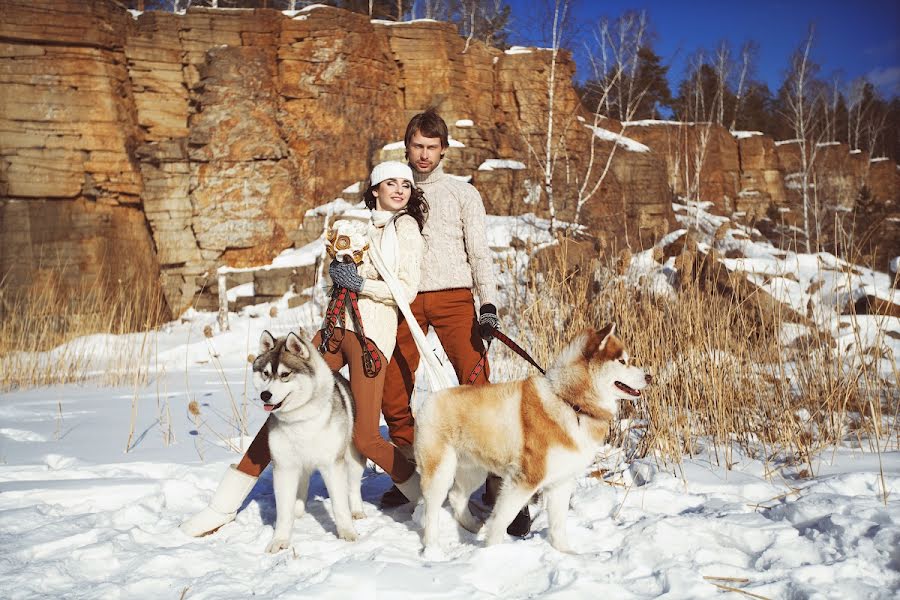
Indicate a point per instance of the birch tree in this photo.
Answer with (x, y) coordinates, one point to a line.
(553, 138)
(614, 61)
(802, 93)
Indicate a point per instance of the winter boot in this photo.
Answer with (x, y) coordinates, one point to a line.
(223, 506)
(410, 490)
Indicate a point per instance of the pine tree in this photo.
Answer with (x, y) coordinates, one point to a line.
(756, 108)
(699, 97)
(651, 82)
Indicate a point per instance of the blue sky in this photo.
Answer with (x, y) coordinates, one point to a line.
(853, 38)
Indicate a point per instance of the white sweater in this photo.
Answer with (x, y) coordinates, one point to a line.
(457, 254)
(377, 307)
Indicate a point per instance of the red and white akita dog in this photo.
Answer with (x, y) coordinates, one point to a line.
(536, 434)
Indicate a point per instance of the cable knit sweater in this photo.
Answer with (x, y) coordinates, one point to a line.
(377, 307)
(456, 249)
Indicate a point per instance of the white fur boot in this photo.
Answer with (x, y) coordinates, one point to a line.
(411, 488)
(223, 506)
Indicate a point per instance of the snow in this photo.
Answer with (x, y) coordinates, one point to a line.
(238, 291)
(313, 7)
(625, 142)
(500, 163)
(651, 122)
(386, 22)
(336, 206)
(895, 264)
(519, 50)
(740, 135)
(90, 510)
(824, 144)
(400, 145)
(856, 152)
(465, 123)
(80, 518)
(352, 188)
(879, 159)
(783, 142)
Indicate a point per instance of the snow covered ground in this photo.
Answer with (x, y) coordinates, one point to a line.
(81, 517)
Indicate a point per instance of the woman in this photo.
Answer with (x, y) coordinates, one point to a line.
(387, 277)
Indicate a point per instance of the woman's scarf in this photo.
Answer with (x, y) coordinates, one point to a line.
(383, 255)
(390, 246)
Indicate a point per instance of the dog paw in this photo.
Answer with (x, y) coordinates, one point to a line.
(471, 523)
(348, 534)
(434, 554)
(357, 515)
(277, 545)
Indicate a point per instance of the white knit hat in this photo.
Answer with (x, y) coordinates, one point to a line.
(391, 169)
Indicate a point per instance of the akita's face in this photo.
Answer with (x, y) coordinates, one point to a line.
(611, 372)
(283, 373)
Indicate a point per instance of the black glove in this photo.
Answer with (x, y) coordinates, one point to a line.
(343, 274)
(487, 321)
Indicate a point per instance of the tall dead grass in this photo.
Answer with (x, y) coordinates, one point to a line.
(721, 371)
(44, 330)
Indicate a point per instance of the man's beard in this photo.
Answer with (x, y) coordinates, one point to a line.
(431, 168)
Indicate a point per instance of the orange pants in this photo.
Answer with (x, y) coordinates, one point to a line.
(452, 315)
(345, 349)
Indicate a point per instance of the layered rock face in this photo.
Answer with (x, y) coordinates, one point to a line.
(70, 186)
(751, 176)
(166, 145)
(206, 137)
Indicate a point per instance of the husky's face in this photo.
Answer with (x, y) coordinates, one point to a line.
(611, 372)
(283, 373)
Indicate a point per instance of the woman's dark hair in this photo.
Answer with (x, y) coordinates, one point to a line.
(417, 207)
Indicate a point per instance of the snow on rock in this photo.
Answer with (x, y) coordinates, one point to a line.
(500, 163)
(519, 50)
(740, 135)
(465, 123)
(400, 145)
(625, 142)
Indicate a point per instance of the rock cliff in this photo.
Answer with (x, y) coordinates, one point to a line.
(164, 146)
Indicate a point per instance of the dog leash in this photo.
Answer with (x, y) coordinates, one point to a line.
(334, 314)
(479, 367)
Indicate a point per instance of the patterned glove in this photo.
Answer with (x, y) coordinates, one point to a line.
(487, 321)
(343, 274)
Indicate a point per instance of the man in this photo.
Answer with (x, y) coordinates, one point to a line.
(457, 260)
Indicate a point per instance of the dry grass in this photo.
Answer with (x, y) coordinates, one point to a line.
(721, 373)
(40, 327)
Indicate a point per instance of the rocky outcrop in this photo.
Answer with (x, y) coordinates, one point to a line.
(207, 136)
(202, 139)
(70, 184)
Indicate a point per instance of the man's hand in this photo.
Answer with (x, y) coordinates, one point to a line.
(344, 274)
(487, 321)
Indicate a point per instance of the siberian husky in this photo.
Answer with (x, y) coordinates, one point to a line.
(536, 434)
(311, 427)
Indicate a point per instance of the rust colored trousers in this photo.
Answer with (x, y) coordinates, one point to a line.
(345, 349)
(452, 315)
